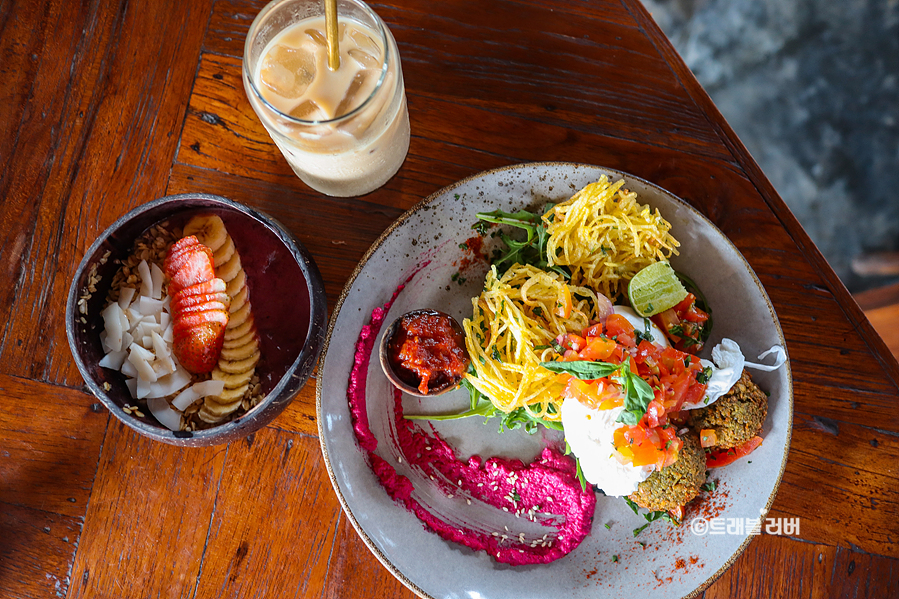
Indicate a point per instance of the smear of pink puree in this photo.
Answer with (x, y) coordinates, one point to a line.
(546, 490)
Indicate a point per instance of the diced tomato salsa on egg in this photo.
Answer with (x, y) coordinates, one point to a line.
(670, 372)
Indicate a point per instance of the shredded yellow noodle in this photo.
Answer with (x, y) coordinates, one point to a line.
(605, 237)
(515, 320)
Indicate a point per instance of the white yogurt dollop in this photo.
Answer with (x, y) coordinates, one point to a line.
(589, 434)
(726, 371)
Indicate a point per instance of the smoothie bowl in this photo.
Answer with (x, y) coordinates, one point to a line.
(195, 320)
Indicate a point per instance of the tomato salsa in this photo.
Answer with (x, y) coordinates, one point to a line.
(675, 377)
(427, 351)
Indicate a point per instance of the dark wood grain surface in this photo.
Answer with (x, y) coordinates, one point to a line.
(108, 105)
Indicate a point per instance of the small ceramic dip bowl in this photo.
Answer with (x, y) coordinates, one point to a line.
(288, 306)
(424, 342)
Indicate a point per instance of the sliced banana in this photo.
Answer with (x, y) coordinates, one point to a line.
(239, 365)
(229, 269)
(209, 229)
(240, 341)
(234, 286)
(239, 317)
(229, 396)
(235, 354)
(214, 413)
(240, 330)
(224, 253)
(240, 299)
(235, 380)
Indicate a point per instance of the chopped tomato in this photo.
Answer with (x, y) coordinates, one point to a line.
(644, 445)
(572, 341)
(723, 457)
(708, 437)
(598, 348)
(594, 330)
(619, 328)
(683, 324)
(601, 394)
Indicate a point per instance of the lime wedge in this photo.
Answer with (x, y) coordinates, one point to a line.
(655, 289)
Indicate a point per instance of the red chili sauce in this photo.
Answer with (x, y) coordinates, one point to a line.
(427, 351)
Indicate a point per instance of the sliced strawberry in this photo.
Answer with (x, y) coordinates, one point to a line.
(185, 322)
(206, 287)
(196, 268)
(198, 347)
(178, 313)
(180, 301)
(175, 251)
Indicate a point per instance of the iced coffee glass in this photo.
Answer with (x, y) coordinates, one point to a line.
(344, 132)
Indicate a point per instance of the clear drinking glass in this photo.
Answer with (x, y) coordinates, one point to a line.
(344, 132)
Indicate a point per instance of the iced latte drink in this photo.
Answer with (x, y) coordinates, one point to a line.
(344, 131)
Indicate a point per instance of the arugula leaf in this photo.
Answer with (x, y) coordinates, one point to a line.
(650, 517)
(485, 409)
(532, 250)
(577, 464)
(520, 417)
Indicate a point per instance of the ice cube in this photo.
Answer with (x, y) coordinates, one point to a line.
(365, 43)
(365, 60)
(287, 71)
(308, 110)
(352, 98)
(318, 37)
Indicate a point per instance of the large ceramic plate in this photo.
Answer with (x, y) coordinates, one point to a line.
(422, 250)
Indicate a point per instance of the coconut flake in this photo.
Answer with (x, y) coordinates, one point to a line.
(171, 383)
(113, 324)
(143, 387)
(126, 294)
(210, 387)
(131, 383)
(114, 360)
(141, 358)
(166, 416)
(186, 398)
(146, 279)
(157, 277)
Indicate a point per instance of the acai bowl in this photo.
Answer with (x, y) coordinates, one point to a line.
(279, 317)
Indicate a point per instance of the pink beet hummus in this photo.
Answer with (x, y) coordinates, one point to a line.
(546, 491)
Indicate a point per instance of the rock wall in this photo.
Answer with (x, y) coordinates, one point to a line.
(812, 89)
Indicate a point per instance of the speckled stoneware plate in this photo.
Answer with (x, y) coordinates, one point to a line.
(422, 250)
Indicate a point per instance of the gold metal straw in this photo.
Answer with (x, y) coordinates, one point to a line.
(331, 27)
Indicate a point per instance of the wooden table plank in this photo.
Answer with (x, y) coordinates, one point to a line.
(50, 439)
(280, 529)
(148, 522)
(110, 144)
(36, 552)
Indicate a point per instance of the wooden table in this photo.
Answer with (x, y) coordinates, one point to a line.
(109, 105)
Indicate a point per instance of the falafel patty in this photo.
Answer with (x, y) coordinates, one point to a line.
(674, 485)
(736, 417)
